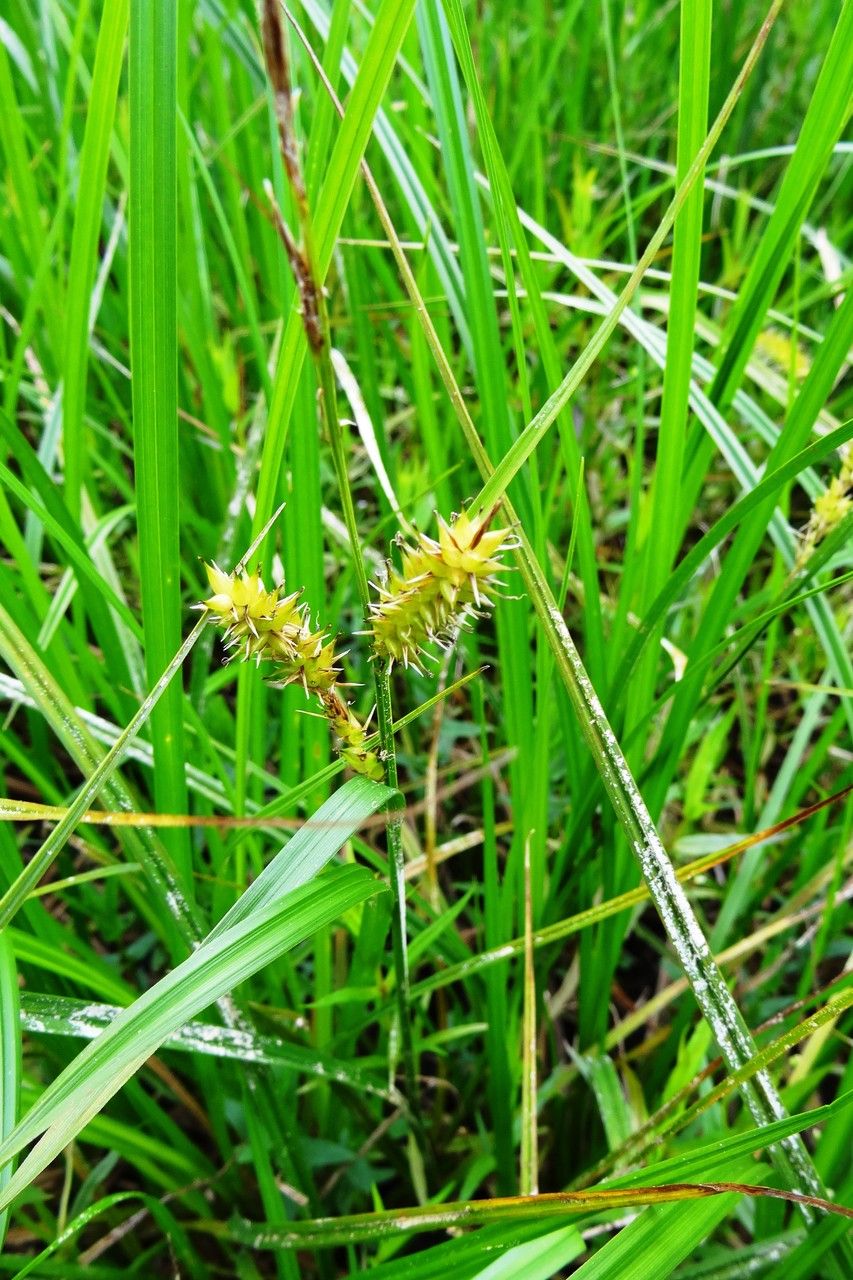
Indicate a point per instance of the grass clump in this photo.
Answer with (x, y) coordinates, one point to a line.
(357, 265)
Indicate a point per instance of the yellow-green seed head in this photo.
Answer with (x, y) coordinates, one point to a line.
(830, 508)
(350, 736)
(263, 625)
(311, 664)
(256, 621)
(440, 583)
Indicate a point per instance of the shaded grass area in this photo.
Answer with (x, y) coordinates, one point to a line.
(683, 509)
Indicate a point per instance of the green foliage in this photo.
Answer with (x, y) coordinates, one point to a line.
(588, 265)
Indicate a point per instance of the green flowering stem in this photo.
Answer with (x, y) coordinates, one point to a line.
(317, 330)
(384, 717)
(384, 714)
(328, 402)
(334, 429)
(385, 721)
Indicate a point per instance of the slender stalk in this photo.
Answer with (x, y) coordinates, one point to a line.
(394, 837)
(317, 331)
(529, 1179)
(384, 712)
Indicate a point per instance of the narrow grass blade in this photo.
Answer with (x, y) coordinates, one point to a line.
(10, 1056)
(310, 849)
(154, 365)
(355, 1228)
(529, 1179)
(84, 243)
(693, 82)
(63, 1016)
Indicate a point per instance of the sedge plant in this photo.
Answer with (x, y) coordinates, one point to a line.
(441, 585)
(378, 261)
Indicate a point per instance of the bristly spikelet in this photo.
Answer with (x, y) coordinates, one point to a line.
(267, 626)
(312, 664)
(830, 508)
(350, 735)
(254, 619)
(438, 586)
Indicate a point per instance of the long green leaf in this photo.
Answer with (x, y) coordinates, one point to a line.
(102, 1068)
(310, 849)
(84, 242)
(10, 1056)
(63, 1016)
(356, 1228)
(154, 366)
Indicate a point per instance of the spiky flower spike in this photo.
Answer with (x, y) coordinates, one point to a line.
(830, 508)
(439, 585)
(267, 626)
(255, 620)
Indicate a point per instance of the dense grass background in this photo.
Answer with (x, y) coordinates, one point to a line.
(157, 407)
